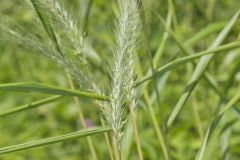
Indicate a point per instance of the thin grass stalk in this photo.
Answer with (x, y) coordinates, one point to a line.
(172, 10)
(46, 25)
(49, 89)
(231, 77)
(133, 119)
(157, 128)
(106, 136)
(86, 16)
(81, 117)
(209, 10)
(162, 132)
(116, 150)
(136, 133)
(197, 117)
(152, 113)
(158, 54)
(132, 105)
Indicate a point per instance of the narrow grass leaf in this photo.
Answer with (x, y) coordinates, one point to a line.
(187, 51)
(57, 139)
(158, 54)
(48, 89)
(30, 106)
(45, 22)
(229, 105)
(181, 61)
(164, 140)
(199, 70)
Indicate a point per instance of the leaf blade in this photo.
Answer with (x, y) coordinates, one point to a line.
(57, 139)
(48, 89)
(181, 61)
(30, 106)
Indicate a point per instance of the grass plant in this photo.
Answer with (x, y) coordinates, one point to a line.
(147, 79)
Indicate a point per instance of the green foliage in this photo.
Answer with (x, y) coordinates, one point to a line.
(140, 79)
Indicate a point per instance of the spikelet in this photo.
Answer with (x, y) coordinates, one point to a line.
(122, 93)
(69, 26)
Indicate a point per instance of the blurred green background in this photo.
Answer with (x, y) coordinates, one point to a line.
(21, 64)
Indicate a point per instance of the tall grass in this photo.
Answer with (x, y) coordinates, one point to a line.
(132, 86)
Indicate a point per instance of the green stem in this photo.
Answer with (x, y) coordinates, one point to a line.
(116, 149)
(110, 149)
(49, 89)
(136, 133)
(165, 147)
(81, 116)
(197, 117)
